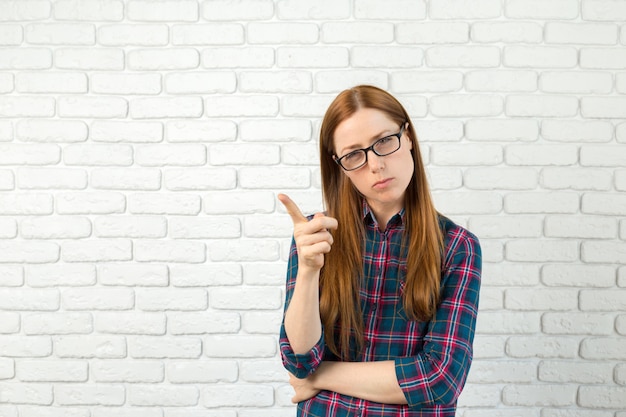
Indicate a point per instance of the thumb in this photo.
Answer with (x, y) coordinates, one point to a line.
(292, 209)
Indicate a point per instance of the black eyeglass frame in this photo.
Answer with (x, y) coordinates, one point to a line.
(398, 136)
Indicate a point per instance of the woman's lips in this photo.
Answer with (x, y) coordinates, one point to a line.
(382, 183)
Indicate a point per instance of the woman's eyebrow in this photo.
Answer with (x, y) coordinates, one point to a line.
(383, 134)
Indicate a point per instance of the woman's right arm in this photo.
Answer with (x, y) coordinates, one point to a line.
(313, 239)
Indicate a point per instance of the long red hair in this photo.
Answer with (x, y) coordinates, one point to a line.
(340, 306)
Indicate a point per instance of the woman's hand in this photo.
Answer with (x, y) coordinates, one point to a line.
(303, 387)
(313, 238)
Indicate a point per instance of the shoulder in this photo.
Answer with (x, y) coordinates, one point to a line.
(458, 240)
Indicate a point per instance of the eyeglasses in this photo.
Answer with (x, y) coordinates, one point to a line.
(382, 147)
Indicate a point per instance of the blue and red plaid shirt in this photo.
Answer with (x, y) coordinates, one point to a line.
(432, 358)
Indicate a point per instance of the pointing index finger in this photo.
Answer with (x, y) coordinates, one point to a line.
(292, 209)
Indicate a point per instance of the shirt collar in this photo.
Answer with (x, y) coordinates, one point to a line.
(370, 219)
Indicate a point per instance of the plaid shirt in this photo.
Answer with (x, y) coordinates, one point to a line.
(432, 358)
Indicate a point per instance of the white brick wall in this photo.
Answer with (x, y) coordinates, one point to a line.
(142, 145)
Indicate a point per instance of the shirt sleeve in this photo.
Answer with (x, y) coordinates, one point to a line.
(437, 374)
(300, 365)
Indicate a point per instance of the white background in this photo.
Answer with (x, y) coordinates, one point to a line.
(142, 145)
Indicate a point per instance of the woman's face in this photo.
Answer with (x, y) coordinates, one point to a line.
(383, 180)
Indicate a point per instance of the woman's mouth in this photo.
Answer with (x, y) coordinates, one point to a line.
(382, 183)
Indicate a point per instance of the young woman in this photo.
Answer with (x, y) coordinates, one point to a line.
(382, 290)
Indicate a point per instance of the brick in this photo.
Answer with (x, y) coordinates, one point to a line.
(8, 228)
(500, 178)
(204, 228)
(603, 107)
(467, 154)
(315, 56)
(25, 58)
(98, 299)
(239, 346)
(620, 374)
(571, 323)
(604, 203)
(494, 372)
(200, 131)
(89, 394)
(262, 322)
(26, 204)
(211, 34)
(243, 250)
(475, 396)
(57, 323)
(540, 57)
(203, 372)
(432, 33)
(166, 299)
(508, 412)
(7, 370)
(239, 202)
(542, 347)
(276, 82)
(385, 57)
(164, 204)
(172, 412)
(580, 227)
(105, 59)
(603, 58)
(6, 131)
(620, 326)
(68, 275)
(508, 322)
(147, 11)
(620, 180)
(602, 300)
(620, 133)
(223, 274)
(491, 299)
(259, 298)
(153, 347)
(51, 178)
(28, 252)
(133, 35)
(539, 394)
(261, 371)
(501, 130)
(60, 82)
(492, 81)
(130, 226)
(468, 203)
(51, 371)
(92, 107)
(170, 251)
(238, 395)
(55, 228)
(134, 274)
(581, 33)
(620, 79)
(90, 346)
(535, 9)
(506, 227)
(605, 397)
(11, 35)
(25, 347)
(11, 276)
(163, 59)
(282, 177)
(29, 299)
(24, 10)
(130, 323)
(51, 131)
(90, 203)
(357, 32)
(322, 10)
(166, 107)
(541, 106)
(548, 299)
(34, 394)
(507, 32)
(603, 252)
(445, 178)
(603, 10)
(578, 275)
(237, 10)
(291, 33)
(465, 9)
(127, 371)
(603, 348)
(426, 81)
(576, 179)
(96, 250)
(203, 323)
(275, 130)
(244, 154)
(463, 56)
(171, 155)
(577, 131)
(580, 82)
(228, 57)
(451, 105)
(126, 83)
(128, 412)
(268, 226)
(60, 34)
(201, 179)
(26, 107)
(126, 178)
(300, 154)
(118, 131)
(89, 10)
(200, 83)
(244, 106)
(534, 250)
